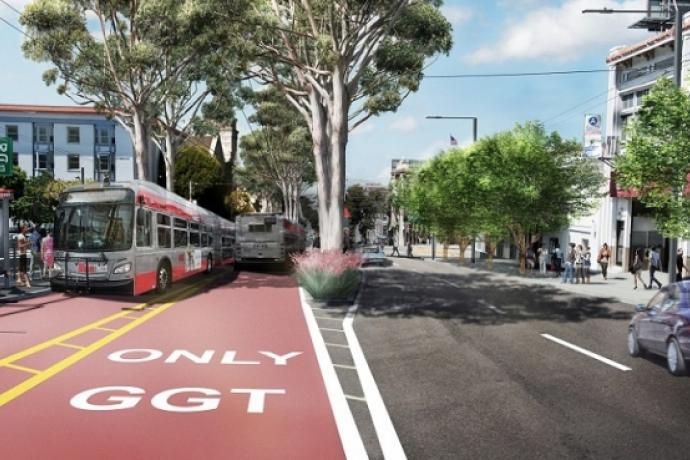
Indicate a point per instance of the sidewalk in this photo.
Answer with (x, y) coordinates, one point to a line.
(619, 285)
(14, 294)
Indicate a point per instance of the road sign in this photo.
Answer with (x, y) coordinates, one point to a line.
(6, 156)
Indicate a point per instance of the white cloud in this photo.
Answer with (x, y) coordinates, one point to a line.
(363, 129)
(457, 14)
(562, 32)
(404, 124)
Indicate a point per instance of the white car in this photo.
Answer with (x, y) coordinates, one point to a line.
(372, 255)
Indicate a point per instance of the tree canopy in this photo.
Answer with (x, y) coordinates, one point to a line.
(195, 164)
(656, 162)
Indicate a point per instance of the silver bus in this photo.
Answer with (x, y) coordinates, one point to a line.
(267, 238)
(134, 237)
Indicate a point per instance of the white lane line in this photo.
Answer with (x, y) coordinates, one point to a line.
(388, 438)
(356, 398)
(353, 446)
(587, 352)
(330, 319)
(345, 366)
(330, 329)
(336, 345)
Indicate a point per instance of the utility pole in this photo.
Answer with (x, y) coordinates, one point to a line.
(190, 190)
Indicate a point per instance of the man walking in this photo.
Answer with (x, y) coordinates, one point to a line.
(395, 247)
(569, 264)
(654, 265)
(680, 265)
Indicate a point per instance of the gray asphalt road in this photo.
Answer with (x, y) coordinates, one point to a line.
(465, 373)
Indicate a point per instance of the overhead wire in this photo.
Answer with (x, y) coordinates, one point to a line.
(11, 7)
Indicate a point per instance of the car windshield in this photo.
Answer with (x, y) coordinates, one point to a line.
(94, 227)
(370, 250)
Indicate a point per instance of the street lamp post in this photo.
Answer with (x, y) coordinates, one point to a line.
(474, 139)
(678, 73)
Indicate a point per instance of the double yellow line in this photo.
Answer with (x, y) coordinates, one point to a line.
(40, 376)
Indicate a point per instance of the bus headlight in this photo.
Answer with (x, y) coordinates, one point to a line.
(122, 269)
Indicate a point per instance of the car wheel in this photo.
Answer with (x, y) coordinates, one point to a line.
(674, 358)
(163, 278)
(633, 344)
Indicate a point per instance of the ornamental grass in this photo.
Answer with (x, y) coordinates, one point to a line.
(328, 275)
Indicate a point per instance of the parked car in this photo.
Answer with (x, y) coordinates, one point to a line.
(662, 327)
(372, 255)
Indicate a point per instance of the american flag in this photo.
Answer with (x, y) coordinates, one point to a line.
(453, 141)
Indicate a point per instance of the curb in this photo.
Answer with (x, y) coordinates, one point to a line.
(24, 296)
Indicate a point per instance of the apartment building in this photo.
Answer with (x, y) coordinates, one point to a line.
(62, 140)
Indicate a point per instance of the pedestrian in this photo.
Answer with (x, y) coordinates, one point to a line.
(543, 254)
(556, 261)
(579, 265)
(587, 263)
(569, 264)
(409, 249)
(530, 258)
(654, 265)
(47, 254)
(636, 268)
(680, 265)
(23, 247)
(603, 259)
(34, 253)
(395, 248)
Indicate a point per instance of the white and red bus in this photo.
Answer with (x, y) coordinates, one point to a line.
(134, 237)
(267, 238)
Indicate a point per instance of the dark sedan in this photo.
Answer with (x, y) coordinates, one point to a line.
(662, 327)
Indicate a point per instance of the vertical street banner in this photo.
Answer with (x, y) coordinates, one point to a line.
(592, 136)
(6, 155)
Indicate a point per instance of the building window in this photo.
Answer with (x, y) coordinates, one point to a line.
(42, 134)
(625, 120)
(72, 134)
(42, 161)
(104, 163)
(628, 101)
(640, 95)
(72, 161)
(103, 136)
(12, 131)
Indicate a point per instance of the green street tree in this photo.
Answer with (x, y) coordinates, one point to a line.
(39, 199)
(364, 207)
(656, 162)
(533, 183)
(196, 165)
(125, 57)
(279, 152)
(340, 62)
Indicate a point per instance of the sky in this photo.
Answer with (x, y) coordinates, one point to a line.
(501, 36)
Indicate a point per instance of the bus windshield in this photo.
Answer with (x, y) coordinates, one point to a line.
(94, 227)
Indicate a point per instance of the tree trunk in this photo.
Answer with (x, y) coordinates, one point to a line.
(490, 248)
(445, 249)
(520, 239)
(463, 243)
(329, 136)
(170, 153)
(140, 142)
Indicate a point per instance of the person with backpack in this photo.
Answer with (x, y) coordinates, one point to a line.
(636, 268)
(654, 265)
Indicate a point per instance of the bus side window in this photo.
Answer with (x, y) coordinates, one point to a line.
(204, 240)
(181, 238)
(143, 228)
(163, 231)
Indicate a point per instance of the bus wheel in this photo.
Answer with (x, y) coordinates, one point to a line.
(209, 264)
(163, 278)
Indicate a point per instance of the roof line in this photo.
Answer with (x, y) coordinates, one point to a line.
(666, 36)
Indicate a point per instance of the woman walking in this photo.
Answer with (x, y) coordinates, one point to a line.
(47, 253)
(579, 262)
(603, 259)
(636, 268)
(587, 263)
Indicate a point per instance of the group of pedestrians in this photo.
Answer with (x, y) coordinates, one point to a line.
(578, 264)
(34, 248)
(653, 260)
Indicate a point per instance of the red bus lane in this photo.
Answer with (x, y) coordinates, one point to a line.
(228, 373)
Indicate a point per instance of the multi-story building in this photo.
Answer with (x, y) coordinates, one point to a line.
(62, 140)
(622, 220)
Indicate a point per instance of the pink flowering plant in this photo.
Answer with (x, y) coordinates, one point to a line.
(328, 275)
